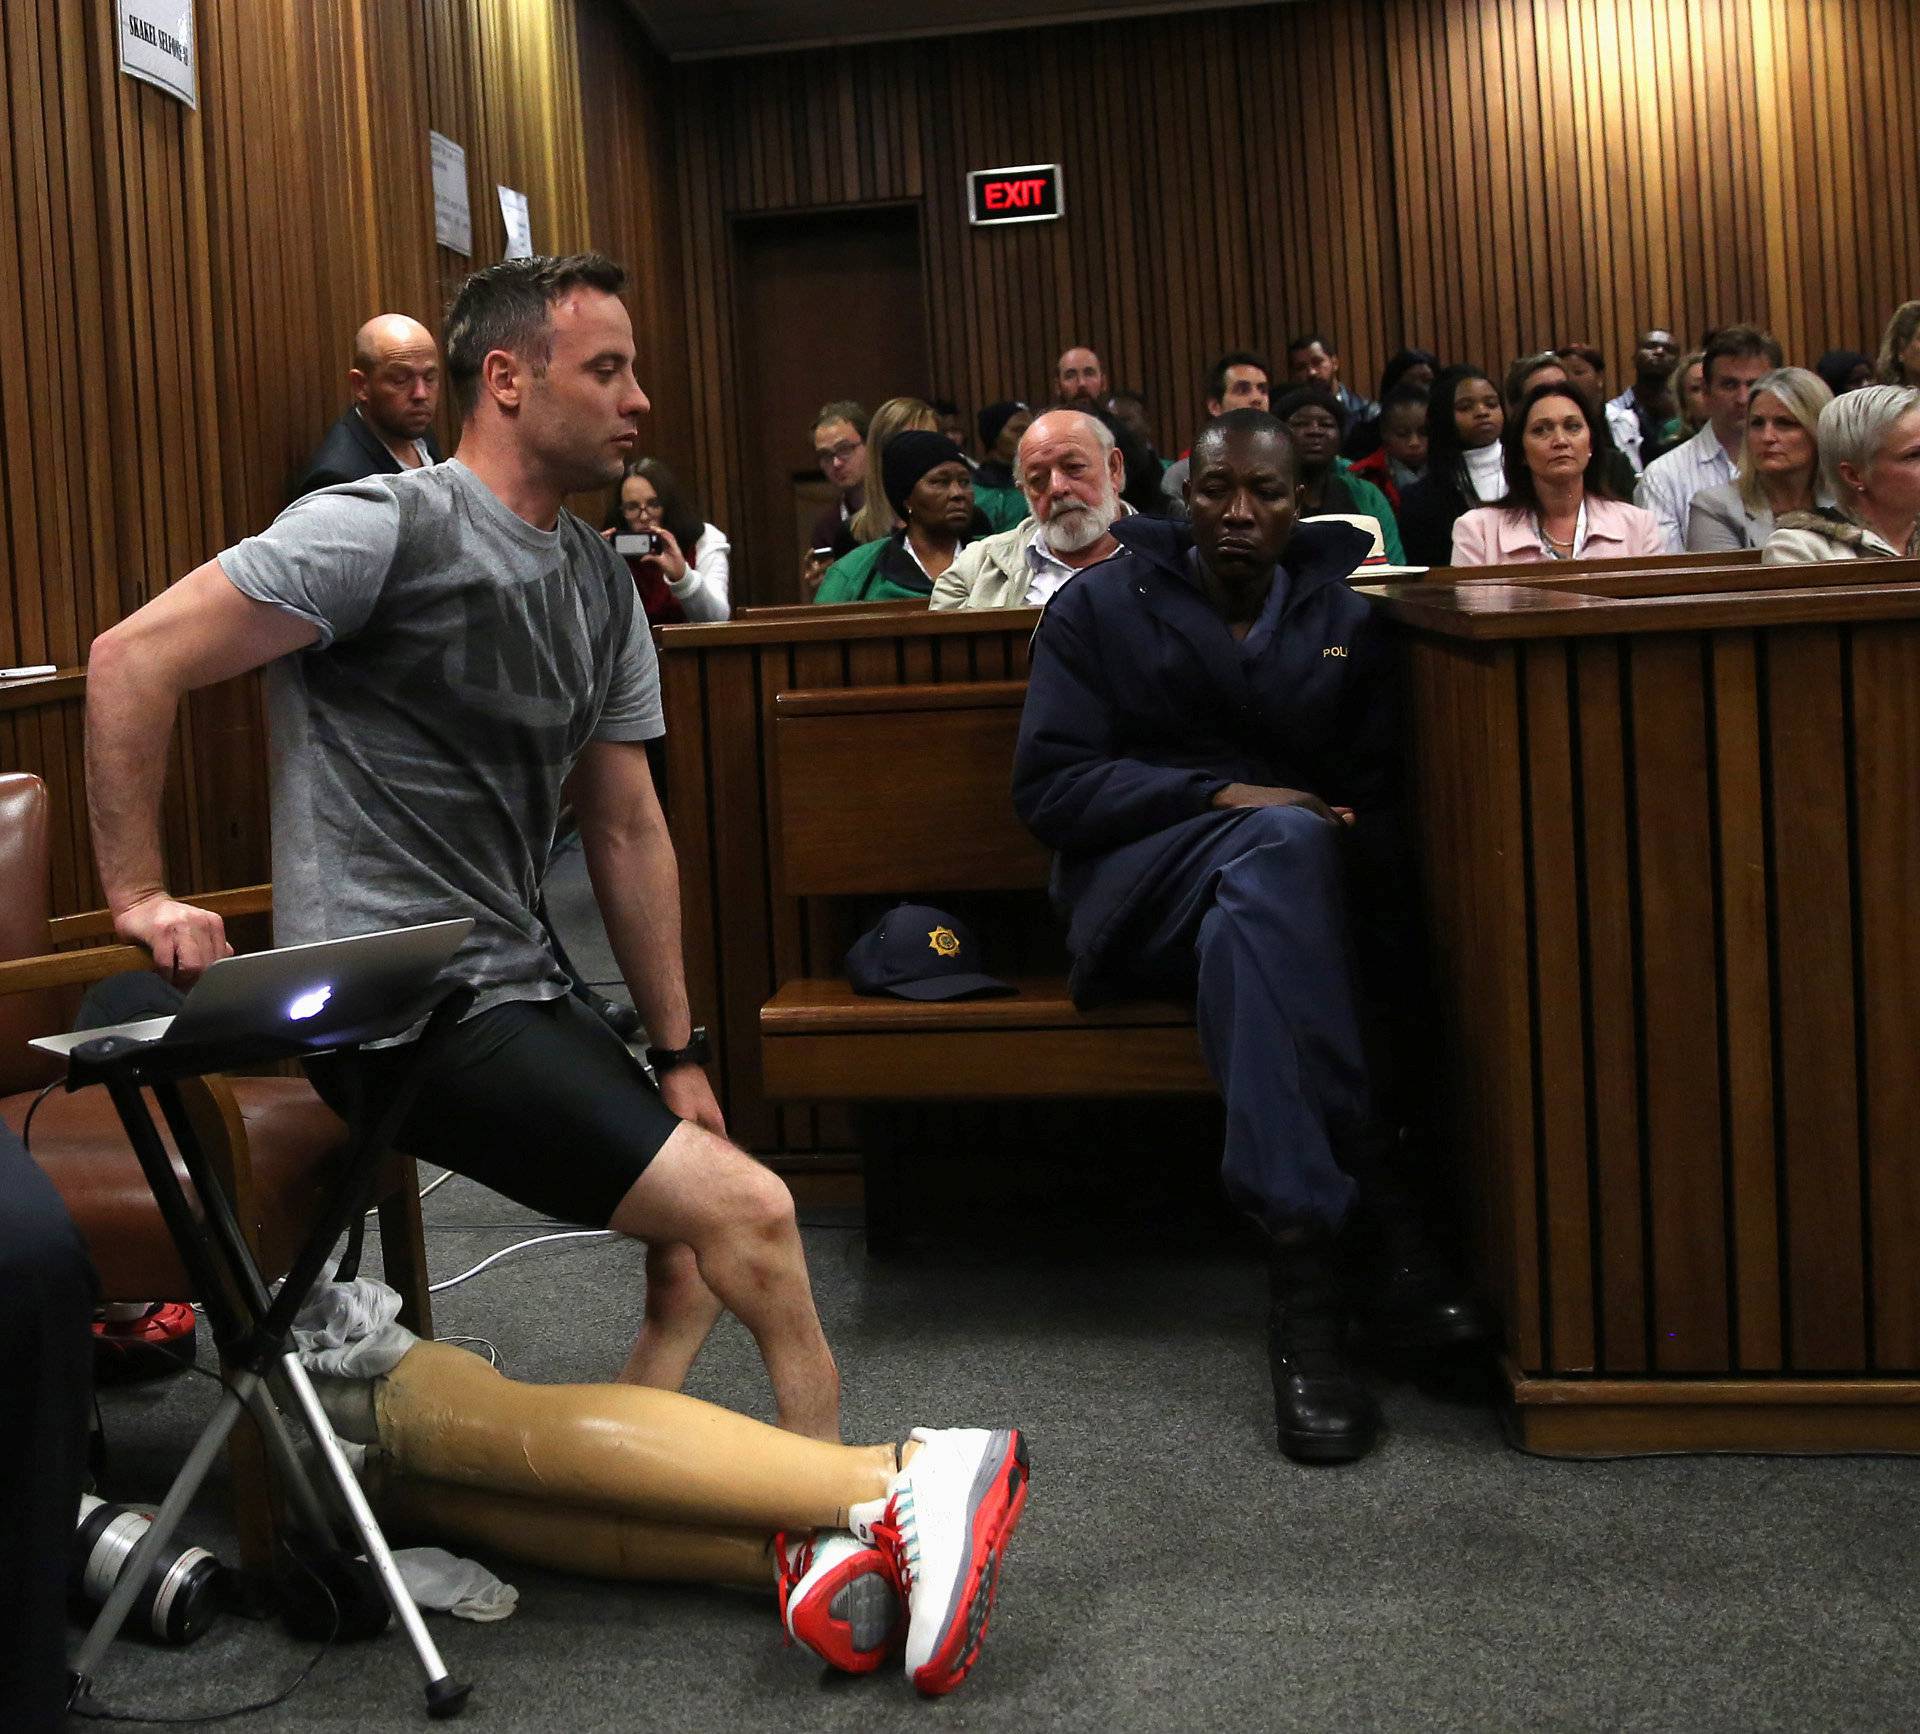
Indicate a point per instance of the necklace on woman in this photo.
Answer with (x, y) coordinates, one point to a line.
(1559, 547)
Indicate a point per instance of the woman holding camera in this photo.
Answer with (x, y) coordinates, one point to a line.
(683, 570)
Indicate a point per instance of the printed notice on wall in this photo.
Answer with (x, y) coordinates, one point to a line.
(513, 211)
(452, 214)
(156, 44)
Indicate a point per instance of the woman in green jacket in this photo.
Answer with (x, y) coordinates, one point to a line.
(930, 488)
(1318, 424)
(851, 578)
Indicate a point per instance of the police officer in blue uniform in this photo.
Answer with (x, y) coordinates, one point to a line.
(1210, 746)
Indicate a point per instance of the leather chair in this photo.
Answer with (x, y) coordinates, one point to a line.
(271, 1138)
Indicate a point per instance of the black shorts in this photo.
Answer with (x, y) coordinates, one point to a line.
(537, 1099)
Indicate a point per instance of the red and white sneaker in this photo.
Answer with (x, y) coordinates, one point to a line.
(943, 1526)
(133, 1341)
(838, 1597)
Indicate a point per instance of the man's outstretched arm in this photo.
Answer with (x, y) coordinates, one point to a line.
(199, 631)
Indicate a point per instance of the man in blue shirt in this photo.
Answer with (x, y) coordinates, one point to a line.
(1209, 744)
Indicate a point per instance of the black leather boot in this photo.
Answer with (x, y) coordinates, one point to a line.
(1408, 1295)
(1324, 1414)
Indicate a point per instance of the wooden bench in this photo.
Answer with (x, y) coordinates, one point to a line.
(887, 792)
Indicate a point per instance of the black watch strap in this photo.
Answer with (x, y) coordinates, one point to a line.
(696, 1053)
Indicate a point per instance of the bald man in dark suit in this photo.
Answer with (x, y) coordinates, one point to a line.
(395, 380)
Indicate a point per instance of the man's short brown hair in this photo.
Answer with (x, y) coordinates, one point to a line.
(842, 409)
(510, 306)
(1739, 342)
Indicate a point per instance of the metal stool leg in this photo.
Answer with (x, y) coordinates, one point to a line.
(445, 1695)
(318, 1520)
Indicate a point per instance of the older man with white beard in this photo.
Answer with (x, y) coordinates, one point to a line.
(1070, 471)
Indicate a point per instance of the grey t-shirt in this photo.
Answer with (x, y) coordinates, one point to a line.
(465, 659)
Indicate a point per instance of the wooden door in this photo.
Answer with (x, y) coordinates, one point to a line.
(826, 305)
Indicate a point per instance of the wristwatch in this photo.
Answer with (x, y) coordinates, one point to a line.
(696, 1053)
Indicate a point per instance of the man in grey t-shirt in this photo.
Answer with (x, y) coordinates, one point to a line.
(443, 649)
(464, 659)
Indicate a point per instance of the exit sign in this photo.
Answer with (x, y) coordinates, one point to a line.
(1026, 195)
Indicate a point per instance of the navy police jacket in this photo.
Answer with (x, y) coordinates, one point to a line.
(1141, 706)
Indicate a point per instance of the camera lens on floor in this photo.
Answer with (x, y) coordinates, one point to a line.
(179, 1598)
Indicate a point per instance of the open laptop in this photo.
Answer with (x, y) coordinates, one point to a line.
(326, 994)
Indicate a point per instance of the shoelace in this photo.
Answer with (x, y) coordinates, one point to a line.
(789, 1575)
(898, 1529)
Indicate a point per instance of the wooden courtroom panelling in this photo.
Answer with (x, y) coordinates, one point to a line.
(1718, 830)
(1470, 805)
(823, 765)
(1747, 1002)
(1679, 1003)
(1571, 169)
(1814, 961)
(932, 1067)
(1479, 177)
(1606, 828)
(1191, 145)
(1885, 737)
(746, 929)
(626, 127)
(180, 288)
(1561, 1093)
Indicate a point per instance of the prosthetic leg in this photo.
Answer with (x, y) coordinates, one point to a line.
(657, 1458)
(632, 1482)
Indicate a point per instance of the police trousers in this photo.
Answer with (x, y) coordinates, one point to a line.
(1252, 919)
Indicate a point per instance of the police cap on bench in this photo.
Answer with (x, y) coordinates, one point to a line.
(918, 952)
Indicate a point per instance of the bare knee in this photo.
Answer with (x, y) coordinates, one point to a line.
(701, 1191)
(764, 1206)
(753, 1243)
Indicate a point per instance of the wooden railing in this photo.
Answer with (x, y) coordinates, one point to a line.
(1668, 838)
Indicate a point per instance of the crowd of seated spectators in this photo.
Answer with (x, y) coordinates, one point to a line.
(1708, 450)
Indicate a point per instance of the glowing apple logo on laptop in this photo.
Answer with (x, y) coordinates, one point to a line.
(309, 1003)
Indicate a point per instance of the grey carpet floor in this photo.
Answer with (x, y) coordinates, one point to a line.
(1172, 1571)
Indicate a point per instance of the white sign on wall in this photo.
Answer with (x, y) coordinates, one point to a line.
(156, 44)
(452, 214)
(513, 211)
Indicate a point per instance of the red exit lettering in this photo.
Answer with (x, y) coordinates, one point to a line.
(1015, 195)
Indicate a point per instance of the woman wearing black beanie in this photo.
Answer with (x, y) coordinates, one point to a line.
(930, 487)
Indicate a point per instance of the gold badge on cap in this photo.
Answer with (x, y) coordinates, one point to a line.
(945, 941)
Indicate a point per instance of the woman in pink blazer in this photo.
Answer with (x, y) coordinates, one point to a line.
(1558, 504)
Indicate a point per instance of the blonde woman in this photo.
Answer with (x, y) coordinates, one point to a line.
(1687, 386)
(1870, 453)
(1779, 469)
(1899, 362)
(876, 517)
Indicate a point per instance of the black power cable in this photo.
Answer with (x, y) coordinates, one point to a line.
(26, 1126)
(89, 1710)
